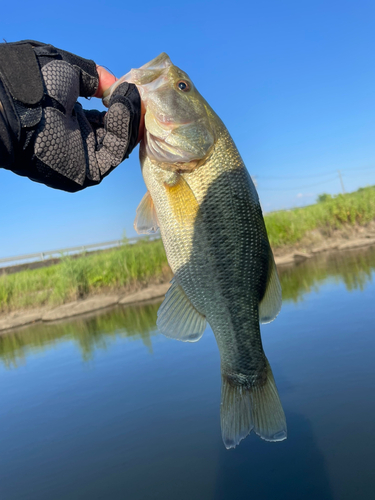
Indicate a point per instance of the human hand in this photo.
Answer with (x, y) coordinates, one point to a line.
(56, 141)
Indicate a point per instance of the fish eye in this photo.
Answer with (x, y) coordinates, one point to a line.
(183, 85)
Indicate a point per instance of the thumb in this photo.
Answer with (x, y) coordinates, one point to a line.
(106, 79)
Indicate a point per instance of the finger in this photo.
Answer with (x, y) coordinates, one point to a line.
(106, 79)
(142, 122)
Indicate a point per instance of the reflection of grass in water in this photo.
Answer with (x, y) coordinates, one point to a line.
(95, 332)
(353, 268)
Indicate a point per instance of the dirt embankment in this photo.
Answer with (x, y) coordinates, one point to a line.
(18, 319)
(318, 241)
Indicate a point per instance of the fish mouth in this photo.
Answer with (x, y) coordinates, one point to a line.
(165, 122)
(160, 80)
(147, 78)
(171, 124)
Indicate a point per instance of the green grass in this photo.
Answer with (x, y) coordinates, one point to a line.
(136, 265)
(289, 227)
(74, 278)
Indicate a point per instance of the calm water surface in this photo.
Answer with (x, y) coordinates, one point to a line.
(107, 408)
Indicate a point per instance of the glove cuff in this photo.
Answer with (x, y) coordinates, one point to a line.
(10, 129)
(20, 72)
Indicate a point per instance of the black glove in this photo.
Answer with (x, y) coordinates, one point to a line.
(45, 134)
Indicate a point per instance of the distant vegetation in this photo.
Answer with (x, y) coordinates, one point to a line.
(133, 266)
(290, 226)
(323, 197)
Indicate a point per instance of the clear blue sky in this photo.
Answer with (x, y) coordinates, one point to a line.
(294, 82)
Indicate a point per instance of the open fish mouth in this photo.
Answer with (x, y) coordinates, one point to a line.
(148, 77)
(155, 84)
(177, 127)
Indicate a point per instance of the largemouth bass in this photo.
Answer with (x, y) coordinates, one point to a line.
(201, 196)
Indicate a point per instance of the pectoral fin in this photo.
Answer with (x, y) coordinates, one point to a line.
(146, 220)
(178, 318)
(270, 305)
(182, 201)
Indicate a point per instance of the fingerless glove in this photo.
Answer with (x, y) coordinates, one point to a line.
(45, 134)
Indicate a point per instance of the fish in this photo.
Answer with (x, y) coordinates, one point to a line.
(202, 198)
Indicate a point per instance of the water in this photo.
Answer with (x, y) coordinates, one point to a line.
(107, 408)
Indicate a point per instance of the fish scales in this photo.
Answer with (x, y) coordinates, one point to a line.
(201, 196)
(229, 242)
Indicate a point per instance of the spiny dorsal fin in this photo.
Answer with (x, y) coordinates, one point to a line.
(270, 305)
(146, 220)
(178, 318)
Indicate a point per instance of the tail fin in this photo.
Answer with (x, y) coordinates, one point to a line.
(244, 409)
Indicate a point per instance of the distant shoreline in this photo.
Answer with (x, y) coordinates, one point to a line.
(96, 302)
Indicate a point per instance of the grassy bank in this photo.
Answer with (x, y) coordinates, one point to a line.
(124, 268)
(290, 226)
(132, 266)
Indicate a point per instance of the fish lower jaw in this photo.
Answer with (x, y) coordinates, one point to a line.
(167, 157)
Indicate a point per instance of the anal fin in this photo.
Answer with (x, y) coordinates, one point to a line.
(178, 318)
(270, 305)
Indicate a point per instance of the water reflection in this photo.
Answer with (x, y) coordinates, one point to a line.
(354, 268)
(91, 333)
(283, 477)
